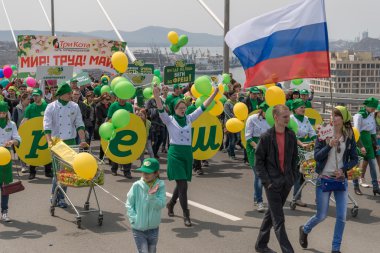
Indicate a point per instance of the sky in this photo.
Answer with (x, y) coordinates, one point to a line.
(346, 19)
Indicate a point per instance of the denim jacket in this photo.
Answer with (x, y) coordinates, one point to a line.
(350, 156)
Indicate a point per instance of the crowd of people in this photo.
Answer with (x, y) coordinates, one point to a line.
(271, 152)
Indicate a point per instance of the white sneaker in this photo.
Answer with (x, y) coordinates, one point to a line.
(363, 183)
(4, 217)
(24, 170)
(260, 207)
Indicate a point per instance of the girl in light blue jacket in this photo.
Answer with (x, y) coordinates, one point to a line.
(145, 200)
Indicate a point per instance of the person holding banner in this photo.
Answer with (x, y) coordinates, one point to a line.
(63, 120)
(365, 122)
(8, 137)
(180, 154)
(305, 136)
(256, 125)
(36, 109)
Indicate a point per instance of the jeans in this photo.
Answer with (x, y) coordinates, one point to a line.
(372, 171)
(232, 142)
(59, 193)
(165, 138)
(146, 241)
(90, 133)
(323, 199)
(4, 203)
(258, 187)
(126, 167)
(158, 139)
(148, 146)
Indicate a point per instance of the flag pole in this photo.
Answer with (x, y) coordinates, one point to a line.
(9, 22)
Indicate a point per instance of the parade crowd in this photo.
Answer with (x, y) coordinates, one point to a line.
(74, 114)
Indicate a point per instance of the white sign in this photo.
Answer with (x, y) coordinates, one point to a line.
(60, 73)
(325, 131)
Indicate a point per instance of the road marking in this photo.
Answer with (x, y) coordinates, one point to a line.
(209, 209)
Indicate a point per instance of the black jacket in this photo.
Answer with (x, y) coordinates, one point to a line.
(267, 163)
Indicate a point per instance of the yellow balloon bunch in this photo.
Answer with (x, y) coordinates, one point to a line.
(177, 41)
(235, 125)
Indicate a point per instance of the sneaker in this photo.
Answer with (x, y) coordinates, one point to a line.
(62, 203)
(302, 238)
(48, 174)
(363, 183)
(4, 217)
(128, 175)
(205, 163)
(199, 172)
(232, 158)
(32, 176)
(300, 203)
(24, 170)
(260, 207)
(114, 173)
(224, 150)
(255, 203)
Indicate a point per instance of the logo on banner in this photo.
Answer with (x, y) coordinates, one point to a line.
(33, 149)
(129, 142)
(207, 134)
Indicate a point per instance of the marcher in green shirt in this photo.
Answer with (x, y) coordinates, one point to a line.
(304, 94)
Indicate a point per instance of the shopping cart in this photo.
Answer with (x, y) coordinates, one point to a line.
(66, 177)
(307, 168)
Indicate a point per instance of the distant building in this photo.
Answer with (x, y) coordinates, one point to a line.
(351, 72)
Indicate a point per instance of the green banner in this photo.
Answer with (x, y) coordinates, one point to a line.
(180, 73)
(83, 78)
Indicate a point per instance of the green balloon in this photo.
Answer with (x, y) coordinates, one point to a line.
(120, 118)
(209, 108)
(292, 125)
(203, 85)
(174, 48)
(269, 116)
(157, 72)
(226, 88)
(297, 81)
(116, 80)
(200, 101)
(4, 82)
(223, 99)
(124, 90)
(105, 89)
(148, 92)
(156, 80)
(106, 131)
(226, 78)
(182, 40)
(14, 67)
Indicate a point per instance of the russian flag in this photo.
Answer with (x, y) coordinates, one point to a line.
(285, 44)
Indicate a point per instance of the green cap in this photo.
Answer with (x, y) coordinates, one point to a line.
(63, 89)
(150, 165)
(177, 86)
(3, 106)
(264, 106)
(37, 92)
(254, 90)
(297, 103)
(371, 102)
(304, 92)
(345, 113)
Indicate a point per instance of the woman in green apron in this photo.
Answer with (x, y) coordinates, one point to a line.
(180, 154)
(8, 137)
(365, 122)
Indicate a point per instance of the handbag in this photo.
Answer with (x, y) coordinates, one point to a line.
(331, 184)
(14, 187)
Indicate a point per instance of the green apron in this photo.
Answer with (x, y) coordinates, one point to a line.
(251, 151)
(180, 162)
(6, 176)
(366, 139)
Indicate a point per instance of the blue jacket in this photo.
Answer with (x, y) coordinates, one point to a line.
(143, 209)
(350, 156)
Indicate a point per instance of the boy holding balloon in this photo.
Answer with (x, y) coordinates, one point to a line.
(8, 137)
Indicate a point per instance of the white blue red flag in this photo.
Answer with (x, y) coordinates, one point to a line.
(287, 43)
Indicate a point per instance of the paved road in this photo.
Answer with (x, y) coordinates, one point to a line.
(226, 187)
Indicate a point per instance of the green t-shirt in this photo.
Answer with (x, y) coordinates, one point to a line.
(116, 106)
(33, 110)
(308, 104)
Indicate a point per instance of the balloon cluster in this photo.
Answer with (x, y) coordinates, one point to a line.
(120, 119)
(5, 73)
(235, 125)
(202, 89)
(177, 41)
(156, 81)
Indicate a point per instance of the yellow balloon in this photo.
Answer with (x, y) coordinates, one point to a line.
(221, 88)
(275, 96)
(119, 62)
(356, 133)
(234, 125)
(269, 85)
(241, 111)
(85, 165)
(5, 156)
(173, 37)
(194, 92)
(217, 109)
(218, 96)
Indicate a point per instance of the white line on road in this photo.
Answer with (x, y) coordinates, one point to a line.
(210, 209)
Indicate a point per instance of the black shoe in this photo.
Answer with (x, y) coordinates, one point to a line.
(358, 191)
(114, 173)
(128, 175)
(32, 176)
(170, 207)
(303, 238)
(205, 163)
(335, 251)
(265, 250)
(48, 174)
(376, 191)
(186, 218)
(199, 172)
